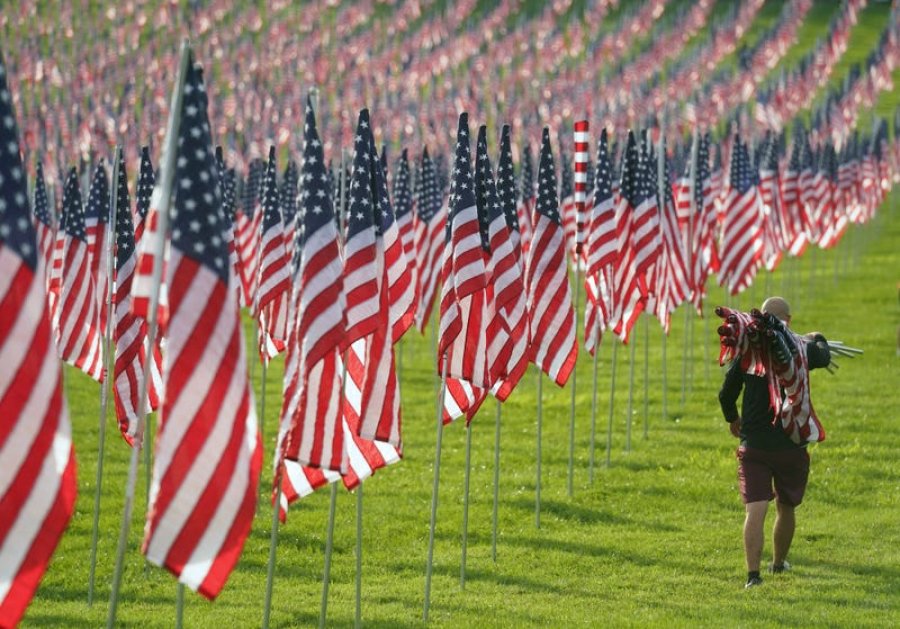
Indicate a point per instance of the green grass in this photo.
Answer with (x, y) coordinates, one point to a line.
(655, 540)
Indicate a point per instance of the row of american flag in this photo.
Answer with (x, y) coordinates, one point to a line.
(335, 269)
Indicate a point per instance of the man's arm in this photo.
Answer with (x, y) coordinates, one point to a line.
(731, 390)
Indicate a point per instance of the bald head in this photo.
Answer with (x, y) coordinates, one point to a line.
(778, 307)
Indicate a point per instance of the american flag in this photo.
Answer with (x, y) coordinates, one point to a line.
(601, 248)
(430, 225)
(551, 317)
(629, 289)
(506, 272)
(794, 209)
(37, 481)
(568, 208)
(146, 183)
(76, 321)
(772, 206)
(288, 202)
(146, 235)
(208, 452)
(582, 159)
(742, 231)
(96, 223)
(274, 271)
(129, 333)
(704, 249)
(310, 426)
(246, 231)
(228, 186)
(527, 200)
(43, 220)
(404, 216)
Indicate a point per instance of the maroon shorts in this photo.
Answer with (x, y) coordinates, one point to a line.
(761, 470)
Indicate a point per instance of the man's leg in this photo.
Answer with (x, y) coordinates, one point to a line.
(753, 533)
(783, 533)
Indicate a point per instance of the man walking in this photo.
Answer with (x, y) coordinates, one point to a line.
(770, 464)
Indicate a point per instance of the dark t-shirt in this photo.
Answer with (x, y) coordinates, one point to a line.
(758, 426)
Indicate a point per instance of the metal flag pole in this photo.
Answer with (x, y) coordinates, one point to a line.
(630, 394)
(357, 621)
(329, 547)
(496, 483)
(104, 384)
(646, 375)
(179, 605)
(262, 397)
(163, 199)
(596, 333)
(612, 393)
(665, 377)
(273, 545)
(465, 522)
(434, 490)
(571, 471)
(537, 487)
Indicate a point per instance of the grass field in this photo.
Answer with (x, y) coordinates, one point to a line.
(654, 540)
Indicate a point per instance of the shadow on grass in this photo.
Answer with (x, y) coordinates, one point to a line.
(586, 515)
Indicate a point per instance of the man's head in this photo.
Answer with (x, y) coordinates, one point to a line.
(778, 307)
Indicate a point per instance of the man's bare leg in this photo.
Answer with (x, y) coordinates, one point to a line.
(783, 533)
(753, 533)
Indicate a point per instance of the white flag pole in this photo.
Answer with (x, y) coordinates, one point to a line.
(107, 355)
(496, 483)
(596, 333)
(465, 522)
(163, 196)
(434, 490)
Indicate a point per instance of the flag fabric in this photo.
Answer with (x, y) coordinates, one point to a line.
(600, 250)
(430, 225)
(146, 183)
(462, 337)
(703, 250)
(310, 429)
(273, 279)
(527, 201)
(129, 333)
(505, 268)
(146, 234)
(96, 222)
(775, 241)
(247, 232)
(742, 231)
(401, 193)
(76, 319)
(629, 288)
(208, 453)
(37, 460)
(43, 220)
(288, 203)
(551, 316)
(582, 158)
(794, 210)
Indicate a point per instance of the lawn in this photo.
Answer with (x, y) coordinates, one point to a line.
(653, 540)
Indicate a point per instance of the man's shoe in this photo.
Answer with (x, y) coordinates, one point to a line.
(752, 582)
(784, 567)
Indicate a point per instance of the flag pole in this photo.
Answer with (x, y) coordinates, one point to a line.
(646, 375)
(273, 545)
(496, 483)
(537, 487)
(329, 546)
(179, 605)
(357, 622)
(630, 394)
(596, 333)
(665, 378)
(612, 393)
(104, 385)
(434, 490)
(688, 319)
(465, 522)
(167, 176)
(571, 471)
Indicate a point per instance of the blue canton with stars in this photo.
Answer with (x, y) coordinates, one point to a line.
(384, 213)
(603, 174)
(271, 212)
(428, 195)
(72, 221)
(288, 193)
(315, 209)
(506, 181)
(98, 196)
(547, 201)
(16, 230)
(741, 177)
(401, 192)
(630, 187)
(527, 174)
(361, 214)
(41, 202)
(462, 188)
(485, 190)
(124, 224)
(566, 181)
(197, 219)
(146, 182)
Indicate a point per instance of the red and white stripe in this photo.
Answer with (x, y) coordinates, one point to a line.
(208, 453)
(429, 243)
(582, 146)
(742, 240)
(143, 278)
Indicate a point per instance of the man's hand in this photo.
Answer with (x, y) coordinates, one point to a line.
(735, 428)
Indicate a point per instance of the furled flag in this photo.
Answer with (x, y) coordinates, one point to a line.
(568, 208)
(431, 218)
(246, 231)
(43, 220)
(581, 181)
(403, 213)
(208, 452)
(273, 282)
(505, 268)
(742, 231)
(629, 289)
(310, 426)
(76, 321)
(146, 234)
(146, 183)
(96, 224)
(703, 252)
(775, 242)
(551, 317)
(129, 333)
(527, 200)
(37, 460)
(601, 249)
(794, 210)
(462, 338)
(288, 202)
